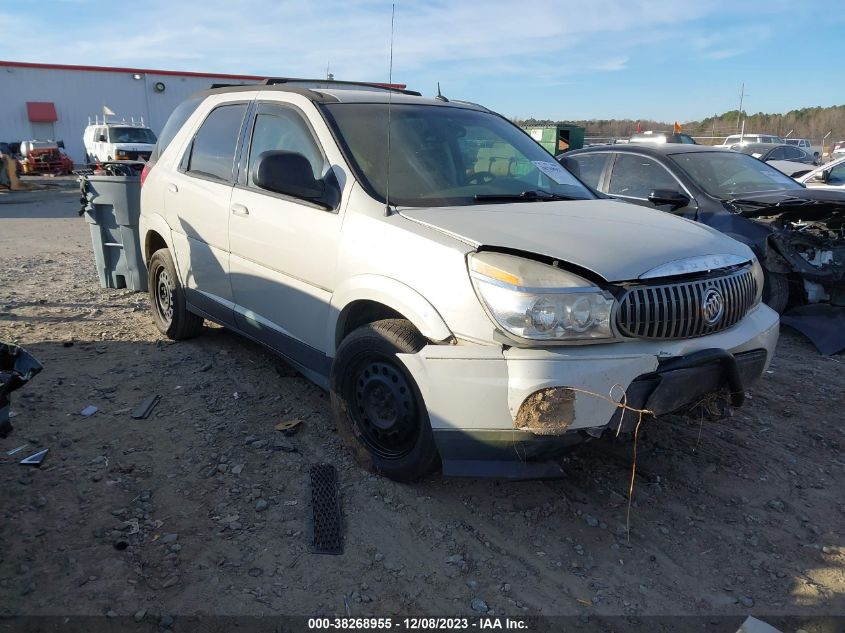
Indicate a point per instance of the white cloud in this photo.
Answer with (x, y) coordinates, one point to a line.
(455, 42)
(619, 63)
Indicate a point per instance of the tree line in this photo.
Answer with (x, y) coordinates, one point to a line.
(811, 123)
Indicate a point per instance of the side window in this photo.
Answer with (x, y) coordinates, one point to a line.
(588, 167)
(637, 176)
(837, 175)
(279, 128)
(213, 151)
(778, 153)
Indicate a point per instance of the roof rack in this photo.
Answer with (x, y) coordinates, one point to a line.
(316, 84)
(333, 83)
(112, 120)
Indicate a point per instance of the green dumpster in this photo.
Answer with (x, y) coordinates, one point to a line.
(556, 139)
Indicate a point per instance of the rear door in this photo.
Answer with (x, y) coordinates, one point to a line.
(283, 249)
(197, 197)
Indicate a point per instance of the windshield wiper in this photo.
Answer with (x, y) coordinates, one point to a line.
(530, 195)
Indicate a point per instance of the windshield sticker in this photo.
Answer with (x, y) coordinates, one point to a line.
(552, 170)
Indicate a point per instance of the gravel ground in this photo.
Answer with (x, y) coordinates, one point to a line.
(200, 509)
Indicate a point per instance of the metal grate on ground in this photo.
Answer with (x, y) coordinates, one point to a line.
(326, 529)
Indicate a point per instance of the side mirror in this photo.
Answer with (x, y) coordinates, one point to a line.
(288, 173)
(822, 176)
(676, 199)
(60, 144)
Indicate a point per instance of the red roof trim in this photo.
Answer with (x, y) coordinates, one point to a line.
(112, 69)
(41, 111)
(172, 73)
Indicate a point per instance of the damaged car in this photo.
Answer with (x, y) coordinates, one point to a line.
(465, 300)
(797, 234)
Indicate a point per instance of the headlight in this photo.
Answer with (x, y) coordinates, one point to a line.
(540, 302)
(759, 278)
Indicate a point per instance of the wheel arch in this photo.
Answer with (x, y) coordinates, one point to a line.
(156, 233)
(367, 298)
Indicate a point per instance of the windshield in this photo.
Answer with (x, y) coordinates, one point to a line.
(131, 135)
(442, 156)
(729, 175)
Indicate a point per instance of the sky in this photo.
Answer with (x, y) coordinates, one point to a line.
(600, 59)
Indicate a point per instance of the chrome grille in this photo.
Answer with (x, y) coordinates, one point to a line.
(677, 310)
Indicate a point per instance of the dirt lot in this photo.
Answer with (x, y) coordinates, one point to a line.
(740, 516)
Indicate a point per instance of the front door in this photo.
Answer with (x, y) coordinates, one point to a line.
(634, 176)
(283, 249)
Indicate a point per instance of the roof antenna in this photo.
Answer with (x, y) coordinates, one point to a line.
(439, 95)
(389, 101)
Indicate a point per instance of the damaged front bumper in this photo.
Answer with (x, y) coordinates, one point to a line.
(507, 413)
(820, 261)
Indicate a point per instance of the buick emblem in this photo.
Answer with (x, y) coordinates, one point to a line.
(712, 306)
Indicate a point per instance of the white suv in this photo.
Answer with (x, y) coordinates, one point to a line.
(745, 139)
(465, 299)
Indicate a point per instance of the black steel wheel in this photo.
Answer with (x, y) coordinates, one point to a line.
(167, 299)
(378, 407)
(384, 406)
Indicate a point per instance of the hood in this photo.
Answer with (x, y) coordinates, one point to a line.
(792, 205)
(616, 240)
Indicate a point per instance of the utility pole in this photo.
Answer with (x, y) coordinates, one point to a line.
(741, 97)
(824, 138)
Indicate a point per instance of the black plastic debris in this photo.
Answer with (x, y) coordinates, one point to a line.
(823, 324)
(17, 367)
(325, 533)
(36, 458)
(143, 410)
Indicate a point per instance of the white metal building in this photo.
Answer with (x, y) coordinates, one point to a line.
(55, 101)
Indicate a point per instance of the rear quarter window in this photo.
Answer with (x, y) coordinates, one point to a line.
(174, 123)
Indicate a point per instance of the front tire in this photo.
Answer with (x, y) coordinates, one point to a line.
(378, 408)
(776, 291)
(167, 299)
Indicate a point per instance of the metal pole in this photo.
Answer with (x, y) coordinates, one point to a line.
(741, 96)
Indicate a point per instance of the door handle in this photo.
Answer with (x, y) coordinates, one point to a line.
(239, 209)
(172, 187)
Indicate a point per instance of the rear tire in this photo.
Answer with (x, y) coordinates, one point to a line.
(167, 299)
(378, 408)
(776, 291)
